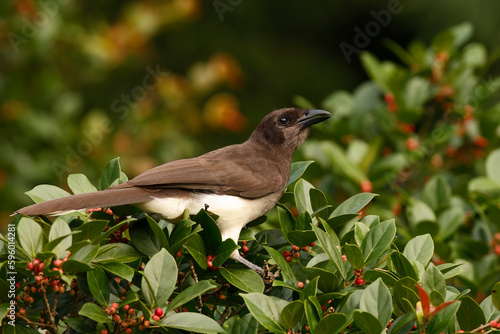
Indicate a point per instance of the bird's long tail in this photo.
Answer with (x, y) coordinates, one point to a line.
(106, 198)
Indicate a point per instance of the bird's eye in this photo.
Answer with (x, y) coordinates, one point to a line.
(283, 120)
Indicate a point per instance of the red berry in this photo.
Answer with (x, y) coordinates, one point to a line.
(389, 324)
(366, 186)
(131, 311)
(286, 254)
(126, 307)
(296, 255)
(288, 259)
(344, 257)
(481, 141)
(305, 248)
(22, 311)
(179, 254)
(360, 281)
(493, 324)
(497, 250)
(58, 263)
(36, 262)
(117, 318)
(244, 243)
(159, 312)
(210, 264)
(30, 266)
(104, 331)
(300, 285)
(295, 248)
(156, 318)
(460, 331)
(244, 249)
(412, 144)
(389, 98)
(312, 244)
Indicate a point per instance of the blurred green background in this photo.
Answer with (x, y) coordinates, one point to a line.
(82, 82)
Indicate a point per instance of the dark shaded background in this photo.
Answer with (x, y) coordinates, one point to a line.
(58, 80)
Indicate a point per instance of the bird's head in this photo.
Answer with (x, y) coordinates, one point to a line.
(287, 128)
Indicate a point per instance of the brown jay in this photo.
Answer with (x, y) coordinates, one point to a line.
(239, 183)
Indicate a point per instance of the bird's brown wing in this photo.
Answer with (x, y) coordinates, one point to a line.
(225, 171)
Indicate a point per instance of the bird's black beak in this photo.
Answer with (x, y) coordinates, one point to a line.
(313, 116)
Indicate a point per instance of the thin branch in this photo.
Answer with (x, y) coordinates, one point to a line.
(224, 314)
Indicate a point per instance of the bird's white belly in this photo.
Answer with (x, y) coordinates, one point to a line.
(234, 212)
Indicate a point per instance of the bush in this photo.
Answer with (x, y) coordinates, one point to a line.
(421, 137)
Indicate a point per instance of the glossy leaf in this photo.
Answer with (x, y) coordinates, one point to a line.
(291, 314)
(223, 251)
(265, 310)
(110, 174)
(244, 279)
(286, 271)
(93, 312)
(297, 169)
(117, 252)
(420, 248)
(30, 236)
(98, 285)
(354, 256)
(470, 315)
(119, 269)
(433, 279)
(302, 198)
(189, 321)
(190, 293)
(353, 204)
(376, 299)
(45, 192)
(80, 184)
(495, 295)
(378, 240)
(331, 324)
(160, 276)
(331, 248)
(59, 229)
(196, 247)
(368, 323)
(144, 239)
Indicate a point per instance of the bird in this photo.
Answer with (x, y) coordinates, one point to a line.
(238, 183)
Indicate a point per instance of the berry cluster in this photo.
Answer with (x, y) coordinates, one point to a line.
(210, 263)
(125, 320)
(244, 248)
(294, 253)
(495, 243)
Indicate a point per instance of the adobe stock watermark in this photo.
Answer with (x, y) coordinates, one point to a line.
(31, 27)
(483, 91)
(11, 274)
(372, 29)
(222, 6)
(122, 106)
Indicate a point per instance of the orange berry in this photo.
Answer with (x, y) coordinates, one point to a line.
(300, 285)
(366, 186)
(412, 144)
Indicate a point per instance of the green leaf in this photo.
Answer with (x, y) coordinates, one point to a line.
(417, 212)
(286, 220)
(331, 324)
(319, 203)
(387, 277)
(377, 300)
(327, 281)
(144, 239)
(492, 163)
(368, 323)
(59, 229)
(85, 254)
(354, 256)
(190, 293)
(374, 69)
(353, 204)
(417, 91)
(118, 269)
(158, 232)
(291, 314)
(405, 294)
(189, 321)
(117, 252)
(80, 184)
(490, 312)
(286, 271)
(223, 251)
(470, 315)
(302, 198)
(196, 248)
(378, 240)
(441, 320)
(402, 266)
(313, 316)
(244, 325)
(30, 236)
(160, 276)
(93, 312)
(437, 193)
(111, 172)
(211, 232)
(297, 169)
(71, 266)
(265, 310)
(331, 248)
(80, 325)
(420, 248)
(450, 270)
(433, 279)
(495, 295)
(301, 238)
(449, 221)
(244, 279)
(98, 285)
(90, 231)
(45, 192)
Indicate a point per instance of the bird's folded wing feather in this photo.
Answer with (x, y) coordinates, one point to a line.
(222, 171)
